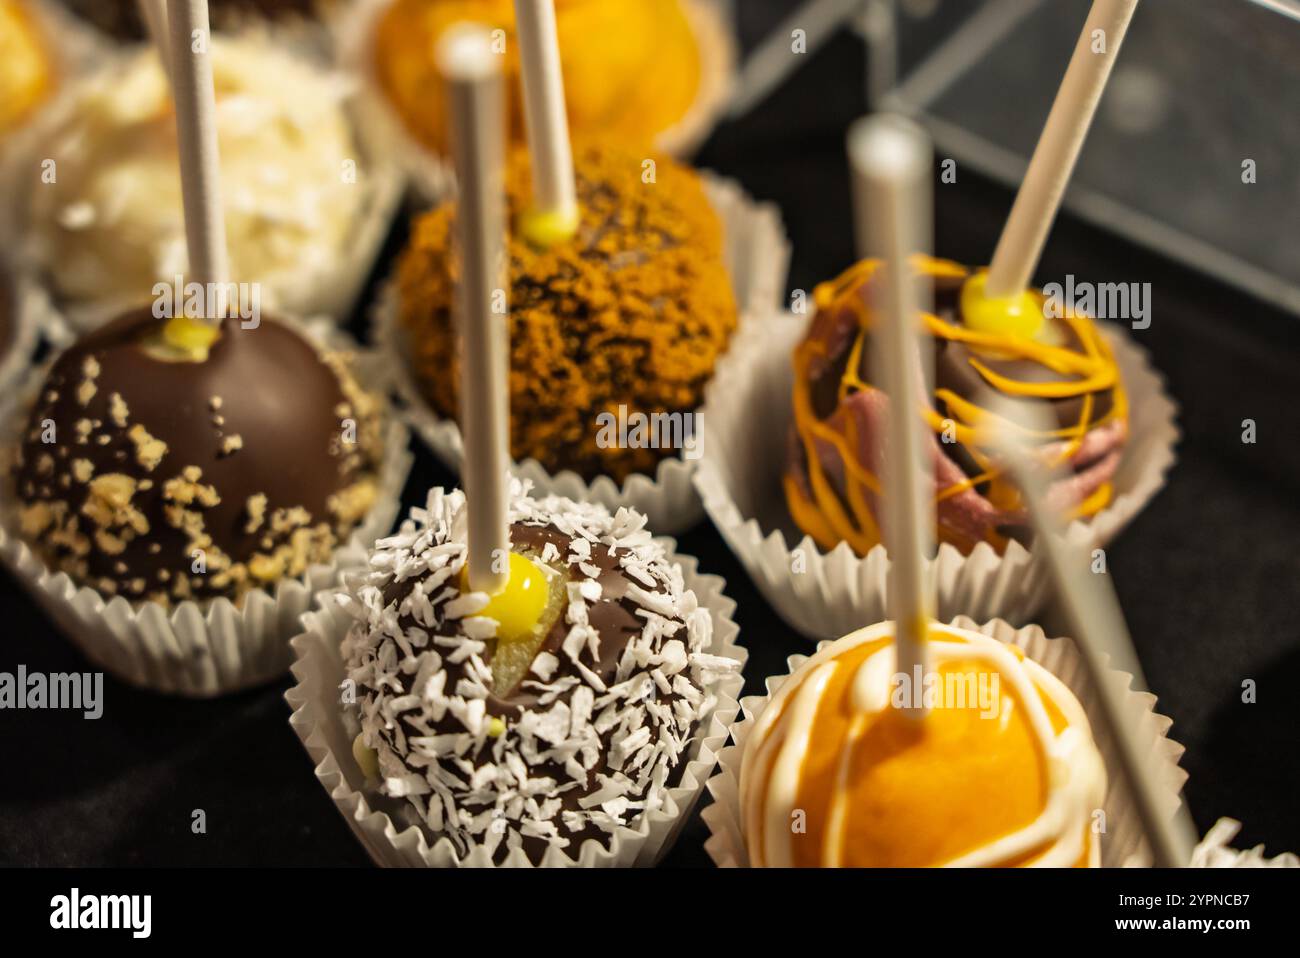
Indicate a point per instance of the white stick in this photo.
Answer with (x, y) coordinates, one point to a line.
(891, 160)
(154, 15)
(196, 133)
(472, 73)
(544, 110)
(1104, 642)
(1021, 243)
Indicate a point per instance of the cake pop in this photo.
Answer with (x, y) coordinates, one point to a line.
(551, 714)
(27, 74)
(831, 481)
(634, 310)
(111, 227)
(640, 77)
(155, 472)
(1012, 780)
(178, 452)
(995, 339)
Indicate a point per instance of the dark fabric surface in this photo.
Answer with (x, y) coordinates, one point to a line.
(1207, 574)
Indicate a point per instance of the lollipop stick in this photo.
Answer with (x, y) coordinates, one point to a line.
(154, 15)
(1021, 244)
(196, 132)
(472, 74)
(891, 162)
(555, 205)
(1094, 612)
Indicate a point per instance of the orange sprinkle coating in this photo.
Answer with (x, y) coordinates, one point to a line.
(634, 311)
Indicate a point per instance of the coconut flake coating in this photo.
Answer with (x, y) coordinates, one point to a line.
(597, 729)
(112, 224)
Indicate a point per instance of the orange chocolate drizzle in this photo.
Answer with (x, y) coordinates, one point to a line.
(831, 516)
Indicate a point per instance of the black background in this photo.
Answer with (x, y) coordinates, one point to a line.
(1207, 573)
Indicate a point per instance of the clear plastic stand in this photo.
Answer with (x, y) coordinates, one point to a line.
(1194, 149)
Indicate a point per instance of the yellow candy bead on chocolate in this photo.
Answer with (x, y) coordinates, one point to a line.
(545, 228)
(1018, 315)
(366, 757)
(518, 607)
(190, 335)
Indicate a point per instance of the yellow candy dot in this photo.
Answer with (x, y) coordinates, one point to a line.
(1017, 315)
(496, 727)
(519, 606)
(190, 335)
(367, 758)
(545, 228)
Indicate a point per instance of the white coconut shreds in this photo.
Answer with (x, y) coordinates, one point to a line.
(579, 749)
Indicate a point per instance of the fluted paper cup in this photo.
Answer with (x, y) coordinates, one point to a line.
(194, 649)
(1122, 842)
(756, 252)
(747, 419)
(385, 825)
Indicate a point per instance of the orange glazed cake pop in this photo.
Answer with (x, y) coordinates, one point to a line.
(27, 74)
(631, 67)
(1000, 771)
(1059, 362)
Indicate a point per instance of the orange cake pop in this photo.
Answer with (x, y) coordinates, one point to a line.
(1002, 771)
(26, 72)
(632, 68)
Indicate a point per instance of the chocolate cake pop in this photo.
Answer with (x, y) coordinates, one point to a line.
(544, 716)
(1010, 780)
(1065, 365)
(633, 310)
(163, 473)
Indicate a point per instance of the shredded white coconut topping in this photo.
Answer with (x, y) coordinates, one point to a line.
(583, 745)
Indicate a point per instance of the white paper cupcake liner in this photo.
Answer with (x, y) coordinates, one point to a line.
(384, 826)
(194, 649)
(1215, 852)
(1122, 842)
(430, 175)
(330, 290)
(747, 415)
(756, 253)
